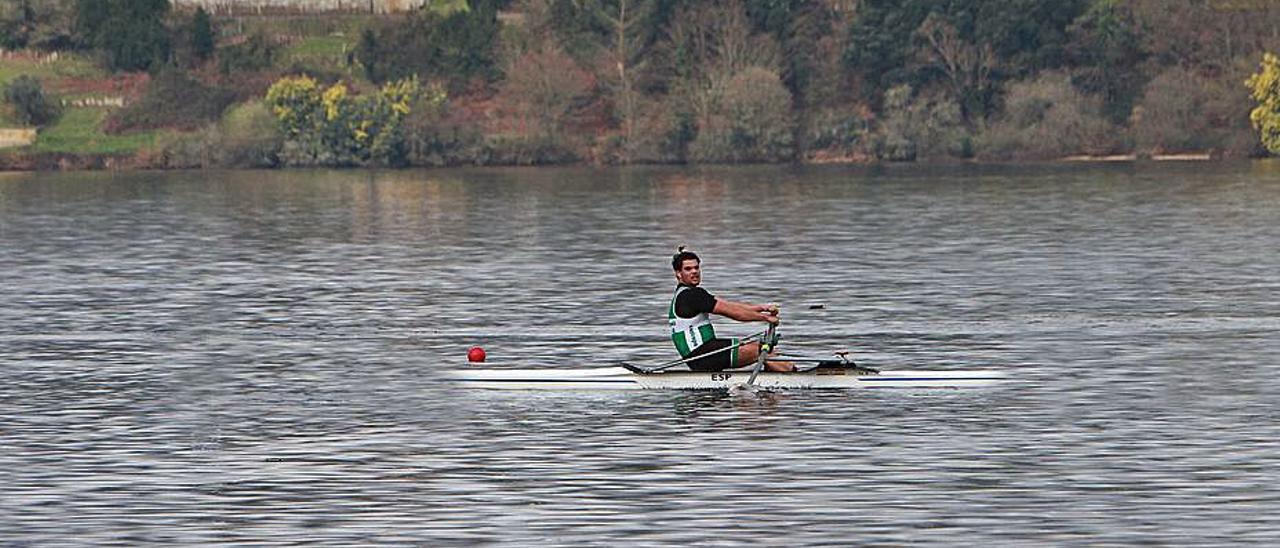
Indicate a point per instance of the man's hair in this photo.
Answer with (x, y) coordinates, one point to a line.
(681, 256)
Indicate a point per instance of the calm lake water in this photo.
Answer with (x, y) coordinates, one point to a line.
(253, 357)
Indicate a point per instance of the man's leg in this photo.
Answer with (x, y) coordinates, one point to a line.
(749, 352)
(716, 355)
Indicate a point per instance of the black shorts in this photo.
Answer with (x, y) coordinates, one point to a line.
(715, 362)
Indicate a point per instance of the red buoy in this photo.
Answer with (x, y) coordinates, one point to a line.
(476, 354)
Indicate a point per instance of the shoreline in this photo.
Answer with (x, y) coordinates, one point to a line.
(1178, 157)
(19, 162)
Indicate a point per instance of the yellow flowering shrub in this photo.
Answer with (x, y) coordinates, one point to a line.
(1264, 87)
(294, 103)
(334, 127)
(334, 101)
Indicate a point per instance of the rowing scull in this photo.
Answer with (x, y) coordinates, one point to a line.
(622, 378)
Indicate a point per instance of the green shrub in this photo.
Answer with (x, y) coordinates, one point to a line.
(1172, 116)
(435, 135)
(185, 150)
(924, 126)
(257, 52)
(751, 123)
(1046, 118)
(251, 137)
(1229, 110)
(678, 135)
(30, 104)
(247, 136)
(522, 150)
(663, 132)
(1184, 111)
(836, 129)
(172, 100)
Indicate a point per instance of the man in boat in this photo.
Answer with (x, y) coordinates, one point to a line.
(689, 316)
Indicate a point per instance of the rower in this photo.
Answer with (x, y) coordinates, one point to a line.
(689, 316)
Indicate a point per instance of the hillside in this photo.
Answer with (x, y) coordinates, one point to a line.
(553, 81)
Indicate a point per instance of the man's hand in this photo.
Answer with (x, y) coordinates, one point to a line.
(769, 312)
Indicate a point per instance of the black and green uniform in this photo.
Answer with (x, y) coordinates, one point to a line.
(689, 316)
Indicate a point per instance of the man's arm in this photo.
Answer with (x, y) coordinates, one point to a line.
(745, 312)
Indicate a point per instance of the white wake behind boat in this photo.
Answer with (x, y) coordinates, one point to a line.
(831, 376)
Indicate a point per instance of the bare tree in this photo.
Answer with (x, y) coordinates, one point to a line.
(1210, 34)
(626, 57)
(544, 88)
(967, 66)
(716, 42)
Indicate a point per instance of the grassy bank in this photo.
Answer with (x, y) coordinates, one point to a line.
(73, 80)
(49, 69)
(79, 131)
(68, 78)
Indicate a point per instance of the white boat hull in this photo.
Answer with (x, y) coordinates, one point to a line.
(618, 378)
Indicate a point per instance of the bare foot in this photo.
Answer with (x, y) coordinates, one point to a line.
(780, 367)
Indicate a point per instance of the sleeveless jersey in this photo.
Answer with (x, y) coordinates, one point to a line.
(688, 333)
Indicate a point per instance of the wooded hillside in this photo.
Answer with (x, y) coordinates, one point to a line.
(625, 81)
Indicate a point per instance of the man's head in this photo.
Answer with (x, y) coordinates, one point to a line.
(688, 267)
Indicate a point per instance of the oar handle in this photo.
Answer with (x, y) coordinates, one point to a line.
(767, 342)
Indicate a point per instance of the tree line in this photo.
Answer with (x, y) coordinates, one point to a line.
(619, 81)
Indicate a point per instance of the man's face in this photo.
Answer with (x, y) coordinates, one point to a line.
(690, 272)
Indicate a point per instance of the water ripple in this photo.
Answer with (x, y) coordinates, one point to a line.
(253, 357)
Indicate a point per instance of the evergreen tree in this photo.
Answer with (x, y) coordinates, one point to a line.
(37, 24)
(129, 33)
(202, 43)
(879, 48)
(458, 46)
(578, 27)
(926, 42)
(588, 28)
(17, 19)
(1106, 52)
(371, 56)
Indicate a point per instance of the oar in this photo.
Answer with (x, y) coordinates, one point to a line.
(766, 344)
(682, 361)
